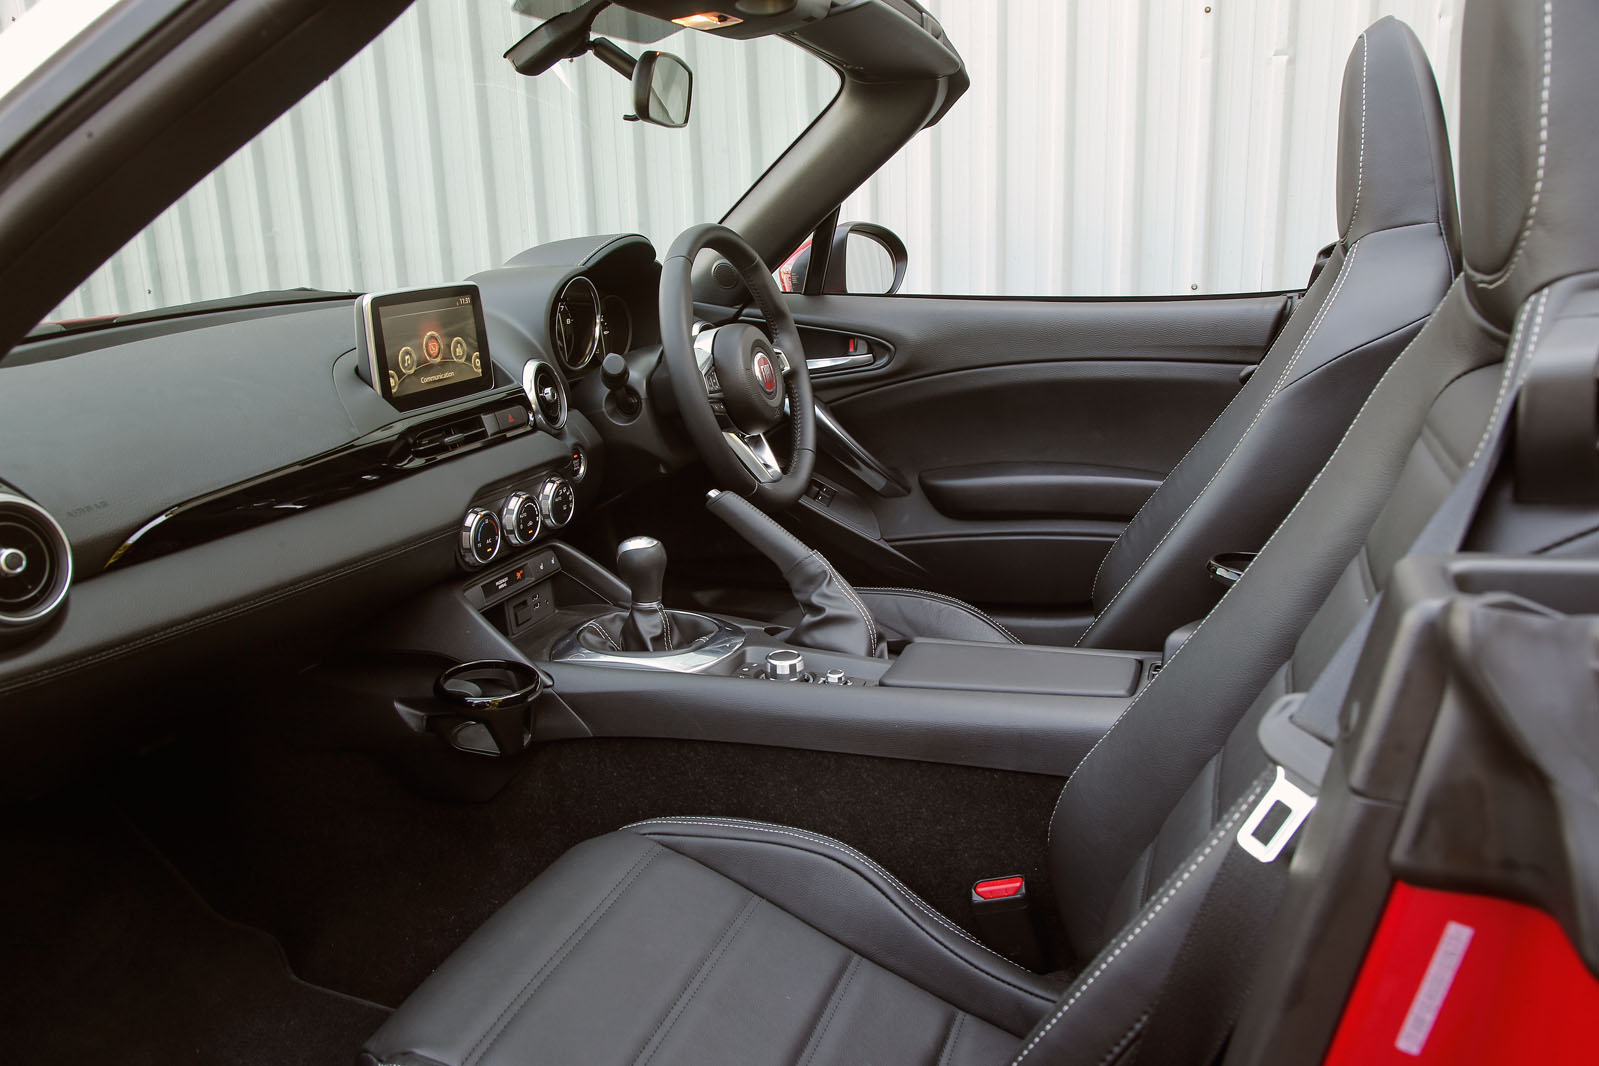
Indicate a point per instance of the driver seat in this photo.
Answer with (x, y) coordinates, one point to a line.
(1396, 255)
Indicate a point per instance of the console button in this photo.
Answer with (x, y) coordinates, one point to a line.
(785, 664)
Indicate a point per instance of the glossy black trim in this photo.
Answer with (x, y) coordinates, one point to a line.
(395, 451)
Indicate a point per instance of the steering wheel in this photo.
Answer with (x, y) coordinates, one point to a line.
(733, 383)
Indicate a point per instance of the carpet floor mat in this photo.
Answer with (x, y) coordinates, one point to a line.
(110, 956)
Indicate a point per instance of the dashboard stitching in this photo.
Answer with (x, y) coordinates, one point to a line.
(38, 677)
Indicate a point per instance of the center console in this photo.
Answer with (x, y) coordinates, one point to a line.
(613, 661)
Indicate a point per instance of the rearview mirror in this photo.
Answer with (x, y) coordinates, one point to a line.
(663, 88)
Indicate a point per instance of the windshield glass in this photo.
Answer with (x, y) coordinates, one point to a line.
(428, 158)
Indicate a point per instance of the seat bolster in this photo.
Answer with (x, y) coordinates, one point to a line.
(905, 614)
(471, 996)
(1102, 1015)
(848, 897)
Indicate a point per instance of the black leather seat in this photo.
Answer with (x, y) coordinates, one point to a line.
(1396, 253)
(714, 941)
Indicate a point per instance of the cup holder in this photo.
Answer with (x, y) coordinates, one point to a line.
(494, 699)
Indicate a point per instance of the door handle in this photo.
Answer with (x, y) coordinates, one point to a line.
(838, 362)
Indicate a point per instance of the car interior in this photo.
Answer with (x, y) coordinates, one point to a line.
(668, 655)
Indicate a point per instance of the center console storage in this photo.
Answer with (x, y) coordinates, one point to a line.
(968, 666)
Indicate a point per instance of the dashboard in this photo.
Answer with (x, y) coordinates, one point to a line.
(239, 471)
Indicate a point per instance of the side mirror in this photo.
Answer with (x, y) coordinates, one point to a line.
(663, 89)
(865, 259)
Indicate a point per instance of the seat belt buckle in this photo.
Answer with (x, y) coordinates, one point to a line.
(1004, 921)
(1285, 793)
(1300, 757)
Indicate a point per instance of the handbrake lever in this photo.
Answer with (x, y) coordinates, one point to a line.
(835, 616)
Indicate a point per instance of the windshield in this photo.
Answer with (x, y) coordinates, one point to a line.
(428, 158)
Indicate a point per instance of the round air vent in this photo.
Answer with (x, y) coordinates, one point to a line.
(546, 392)
(35, 563)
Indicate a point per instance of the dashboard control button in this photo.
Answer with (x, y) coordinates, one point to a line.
(511, 418)
(785, 664)
(480, 537)
(835, 676)
(558, 501)
(579, 465)
(520, 518)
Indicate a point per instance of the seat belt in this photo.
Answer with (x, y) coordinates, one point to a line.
(1205, 988)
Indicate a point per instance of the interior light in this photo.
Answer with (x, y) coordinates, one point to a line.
(707, 20)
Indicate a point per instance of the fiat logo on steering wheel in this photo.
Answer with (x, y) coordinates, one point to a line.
(766, 372)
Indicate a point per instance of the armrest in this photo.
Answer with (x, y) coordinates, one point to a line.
(970, 666)
(1038, 490)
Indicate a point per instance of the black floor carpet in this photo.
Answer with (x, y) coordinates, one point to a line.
(369, 886)
(109, 956)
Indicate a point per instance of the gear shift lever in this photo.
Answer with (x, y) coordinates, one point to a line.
(641, 563)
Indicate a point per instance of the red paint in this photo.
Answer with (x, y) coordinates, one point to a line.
(1519, 995)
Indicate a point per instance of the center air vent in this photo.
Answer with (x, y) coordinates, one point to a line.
(35, 563)
(546, 392)
(441, 439)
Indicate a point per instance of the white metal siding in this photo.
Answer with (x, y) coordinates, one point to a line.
(1107, 147)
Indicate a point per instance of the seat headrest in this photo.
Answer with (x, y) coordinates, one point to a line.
(1529, 148)
(1393, 147)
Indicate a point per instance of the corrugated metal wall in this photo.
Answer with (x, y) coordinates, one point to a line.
(1135, 148)
(1107, 147)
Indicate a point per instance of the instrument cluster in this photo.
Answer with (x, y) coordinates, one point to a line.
(587, 323)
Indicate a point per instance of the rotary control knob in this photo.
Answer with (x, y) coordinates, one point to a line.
(480, 537)
(521, 518)
(558, 501)
(785, 664)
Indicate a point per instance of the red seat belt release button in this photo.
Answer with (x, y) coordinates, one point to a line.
(1000, 888)
(999, 908)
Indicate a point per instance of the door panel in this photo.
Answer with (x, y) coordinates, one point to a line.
(1021, 435)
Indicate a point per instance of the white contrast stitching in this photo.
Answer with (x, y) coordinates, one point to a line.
(951, 600)
(605, 636)
(1512, 359)
(1277, 387)
(1248, 571)
(1360, 166)
(849, 594)
(1494, 280)
(1216, 837)
(815, 838)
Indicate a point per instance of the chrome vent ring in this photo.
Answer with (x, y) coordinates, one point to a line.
(35, 563)
(546, 392)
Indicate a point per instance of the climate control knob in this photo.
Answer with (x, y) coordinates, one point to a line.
(521, 519)
(558, 501)
(480, 537)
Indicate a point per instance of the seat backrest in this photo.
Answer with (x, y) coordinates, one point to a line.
(1151, 808)
(1396, 253)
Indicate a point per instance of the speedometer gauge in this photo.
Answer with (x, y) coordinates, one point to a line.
(576, 327)
(616, 325)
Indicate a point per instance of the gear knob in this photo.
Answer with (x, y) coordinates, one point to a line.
(641, 562)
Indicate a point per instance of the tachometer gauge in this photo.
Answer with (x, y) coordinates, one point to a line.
(576, 328)
(616, 325)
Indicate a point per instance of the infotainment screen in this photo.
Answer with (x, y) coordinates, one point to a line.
(426, 346)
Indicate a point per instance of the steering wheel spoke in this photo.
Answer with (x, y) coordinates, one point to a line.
(755, 452)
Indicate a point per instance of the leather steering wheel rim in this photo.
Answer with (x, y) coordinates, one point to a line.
(688, 380)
